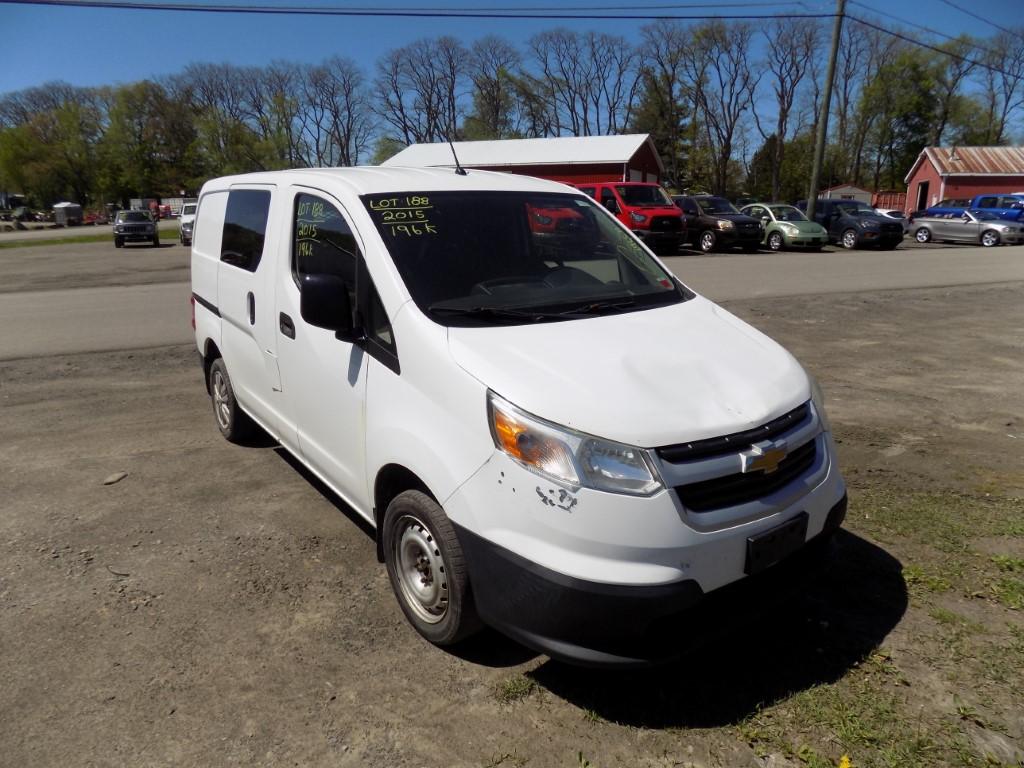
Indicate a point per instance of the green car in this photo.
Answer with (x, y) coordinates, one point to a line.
(787, 227)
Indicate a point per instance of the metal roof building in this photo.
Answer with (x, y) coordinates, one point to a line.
(940, 173)
(573, 159)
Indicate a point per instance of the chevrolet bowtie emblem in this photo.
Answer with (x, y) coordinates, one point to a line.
(763, 457)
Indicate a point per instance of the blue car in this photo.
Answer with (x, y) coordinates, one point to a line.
(1003, 205)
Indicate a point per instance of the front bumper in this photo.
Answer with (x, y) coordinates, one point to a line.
(801, 240)
(596, 577)
(610, 625)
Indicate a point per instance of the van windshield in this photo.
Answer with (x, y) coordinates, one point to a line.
(509, 258)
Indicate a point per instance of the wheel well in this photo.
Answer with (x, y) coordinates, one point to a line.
(211, 354)
(392, 480)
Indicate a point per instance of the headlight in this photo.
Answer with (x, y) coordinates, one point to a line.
(789, 229)
(725, 224)
(818, 398)
(570, 457)
(637, 218)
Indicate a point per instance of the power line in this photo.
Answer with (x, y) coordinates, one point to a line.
(952, 38)
(982, 19)
(936, 49)
(408, 12)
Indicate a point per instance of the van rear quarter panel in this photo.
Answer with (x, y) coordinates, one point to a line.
(206, 242)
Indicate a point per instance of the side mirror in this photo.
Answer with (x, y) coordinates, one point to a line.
(611, 205)
(325, 303)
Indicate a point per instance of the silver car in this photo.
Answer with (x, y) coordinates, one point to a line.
(972, 227)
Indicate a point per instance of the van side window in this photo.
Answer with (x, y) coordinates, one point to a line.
(245, 228)
(988, 202)
(588, 191)
(607, 196)
(323, 242)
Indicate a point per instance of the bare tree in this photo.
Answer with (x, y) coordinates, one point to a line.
(418, 89)
(492, 62)
(336, 120)
(718, 63)
(952, 71)
(664, 71)
(790, 49)
(1003, 80)
(592, 79)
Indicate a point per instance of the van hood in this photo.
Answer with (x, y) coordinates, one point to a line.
(649, 378)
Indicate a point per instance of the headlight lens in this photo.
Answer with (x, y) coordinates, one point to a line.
(570, 457)
(725, 224)
(637, 218)
(789, 229)
(818, 398)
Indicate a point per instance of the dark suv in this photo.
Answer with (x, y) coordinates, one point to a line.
(853, 224)
(135, 227)
(714, 223)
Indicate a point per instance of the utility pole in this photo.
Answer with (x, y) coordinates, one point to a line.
(819, 140)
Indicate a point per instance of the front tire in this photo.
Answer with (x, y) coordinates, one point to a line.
(849, 239)
(156, 241)
(119, 242)
(989, 238)
(923, 235)
(427, 569)
(775, 241)
(234, 423)
(707, 241)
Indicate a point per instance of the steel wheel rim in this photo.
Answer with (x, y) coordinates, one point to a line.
(421, 571)
(988, 239)
(221, 400)
(707, 241)
(775, 241)
(849, 240)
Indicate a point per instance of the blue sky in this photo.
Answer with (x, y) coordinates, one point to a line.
(86, 46)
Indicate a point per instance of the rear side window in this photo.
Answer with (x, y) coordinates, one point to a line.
(245, 228)
(988, 202)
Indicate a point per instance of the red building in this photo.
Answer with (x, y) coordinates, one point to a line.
(941, 173)
(573, 159)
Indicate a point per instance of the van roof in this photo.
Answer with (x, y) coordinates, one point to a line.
(370, 180)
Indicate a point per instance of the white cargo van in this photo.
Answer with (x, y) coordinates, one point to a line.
(551, 434)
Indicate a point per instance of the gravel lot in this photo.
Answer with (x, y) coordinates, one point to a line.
(216, 606)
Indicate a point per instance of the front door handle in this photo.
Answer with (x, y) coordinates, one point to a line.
(251, 300)
(287, 326)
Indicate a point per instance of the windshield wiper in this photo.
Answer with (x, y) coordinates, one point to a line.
(497, 313)
(600, 307)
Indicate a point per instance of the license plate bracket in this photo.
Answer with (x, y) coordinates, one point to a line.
(769, 547)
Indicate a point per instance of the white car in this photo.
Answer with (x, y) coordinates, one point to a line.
(186, 223)
(551, 434)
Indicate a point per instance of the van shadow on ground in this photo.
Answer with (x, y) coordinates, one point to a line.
(819, 622)
(801, 624)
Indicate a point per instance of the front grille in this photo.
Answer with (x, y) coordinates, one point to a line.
(666, 224)
(134, 229)
(717, 446)
(741, 488)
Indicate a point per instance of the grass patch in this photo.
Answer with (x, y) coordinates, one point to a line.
(921, 579)
(515, 688)
(58, 240)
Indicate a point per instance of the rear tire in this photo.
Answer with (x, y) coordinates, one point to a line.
(427, 569)
(234, 423)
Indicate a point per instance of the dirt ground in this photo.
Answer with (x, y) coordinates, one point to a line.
(216, 607)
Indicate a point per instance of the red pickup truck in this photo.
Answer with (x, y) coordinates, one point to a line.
(645, 208)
